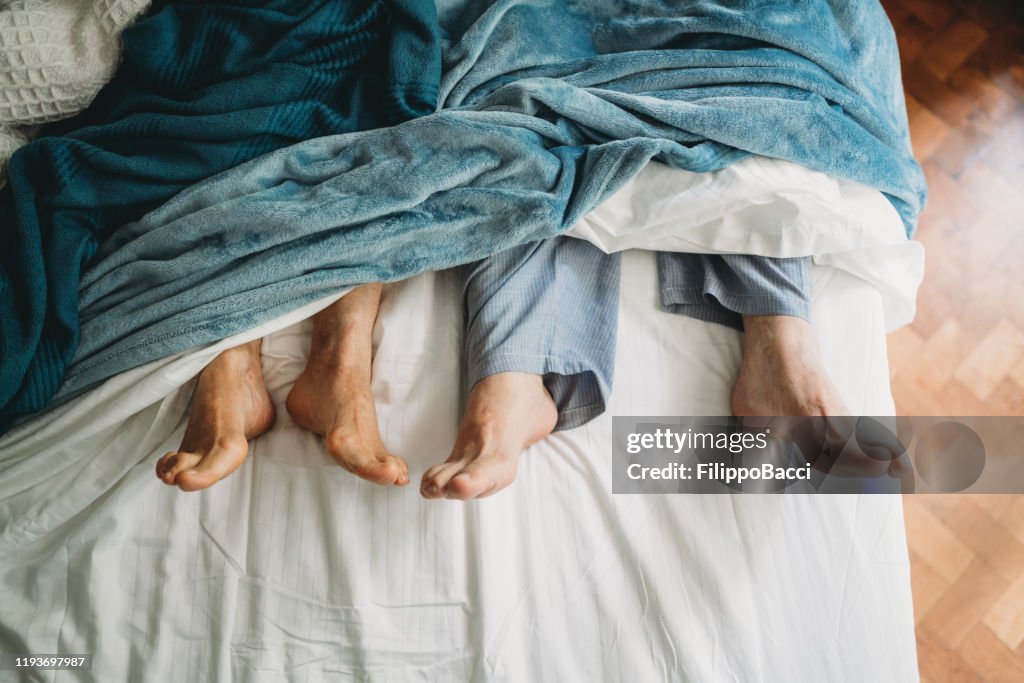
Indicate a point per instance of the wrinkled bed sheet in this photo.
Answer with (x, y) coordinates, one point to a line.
(294, 570)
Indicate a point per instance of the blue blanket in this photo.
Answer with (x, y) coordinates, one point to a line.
(204, 86)
(547, 107)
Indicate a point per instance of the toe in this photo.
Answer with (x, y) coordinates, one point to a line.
(223, 459)
(173, 464)
(191, 480)
(164, 465)
(464, 486)
(366, 460)
(403, 471)
(437, 477)
(481, 478)
(900, 466)
(388, 470)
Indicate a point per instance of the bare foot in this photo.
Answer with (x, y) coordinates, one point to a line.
(782, 372)
(332, 397)
(230, 406)
(336, 402)
(506, 413)
(783, 375)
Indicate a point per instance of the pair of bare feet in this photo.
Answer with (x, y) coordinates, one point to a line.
(505, 414)
(781, 374)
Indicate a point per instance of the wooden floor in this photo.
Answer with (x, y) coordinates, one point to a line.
(963, 72)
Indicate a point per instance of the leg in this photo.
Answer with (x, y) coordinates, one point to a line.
(540, 351)
(230, 406)
(769, 299)
(782, 372)
(332, 397)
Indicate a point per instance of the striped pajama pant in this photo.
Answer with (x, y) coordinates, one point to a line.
(551, 308)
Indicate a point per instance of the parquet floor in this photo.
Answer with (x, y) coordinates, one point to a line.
(963, 72)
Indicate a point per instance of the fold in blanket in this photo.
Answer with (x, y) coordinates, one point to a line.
(550, 107)
(202, 88)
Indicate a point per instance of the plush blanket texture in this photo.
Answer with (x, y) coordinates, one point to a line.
(546, 107)
(203, 87)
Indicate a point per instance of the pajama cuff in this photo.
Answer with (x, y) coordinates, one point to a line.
(580, 394)
(713, 304)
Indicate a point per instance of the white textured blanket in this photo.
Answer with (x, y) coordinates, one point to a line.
(55, 55)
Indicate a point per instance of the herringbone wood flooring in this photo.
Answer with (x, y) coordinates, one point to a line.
(963, 72)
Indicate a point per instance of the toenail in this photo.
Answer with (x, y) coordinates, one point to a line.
(463, 476)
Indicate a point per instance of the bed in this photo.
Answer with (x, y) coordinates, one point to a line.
(294, 570)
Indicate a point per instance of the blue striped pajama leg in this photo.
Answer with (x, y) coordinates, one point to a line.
(723, 288)
(550, 308)
(547, 308)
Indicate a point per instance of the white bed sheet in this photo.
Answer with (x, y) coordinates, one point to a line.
(767, 207)
(294, 570)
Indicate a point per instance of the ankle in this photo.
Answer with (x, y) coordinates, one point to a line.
(778, 332)
(341, 369)
(508, 406)
(243, 357)
(522, 383)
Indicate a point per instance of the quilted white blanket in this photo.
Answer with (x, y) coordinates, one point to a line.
(55, 55)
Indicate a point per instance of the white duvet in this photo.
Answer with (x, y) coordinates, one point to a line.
(294, 570)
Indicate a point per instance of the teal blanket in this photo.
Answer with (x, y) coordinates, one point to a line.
(203, 87)
(546, 108)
